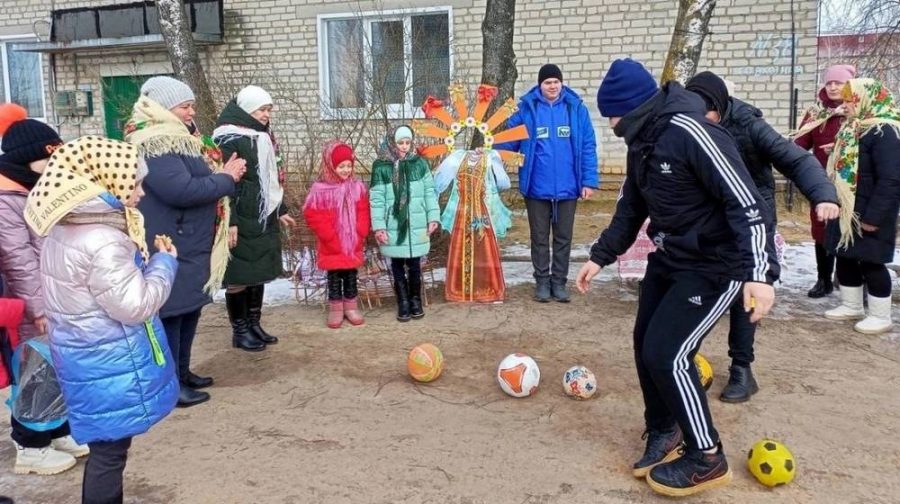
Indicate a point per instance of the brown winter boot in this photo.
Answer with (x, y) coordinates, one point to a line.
(352, 312)
(335, 314)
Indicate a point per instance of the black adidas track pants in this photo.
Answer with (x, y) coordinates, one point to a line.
(675, 312)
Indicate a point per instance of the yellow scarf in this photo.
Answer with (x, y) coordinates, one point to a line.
(156, 131)
(80, 171)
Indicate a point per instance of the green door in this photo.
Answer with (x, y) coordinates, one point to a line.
(119, 95)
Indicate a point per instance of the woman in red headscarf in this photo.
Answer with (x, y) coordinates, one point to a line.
(817, 132)
(337, 211)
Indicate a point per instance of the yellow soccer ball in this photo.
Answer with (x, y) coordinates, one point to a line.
(771, 463)
(705, 370)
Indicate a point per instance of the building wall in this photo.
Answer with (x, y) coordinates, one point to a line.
(274, 43)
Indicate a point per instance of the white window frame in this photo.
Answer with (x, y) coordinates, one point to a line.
(396, 111)
(5, 42)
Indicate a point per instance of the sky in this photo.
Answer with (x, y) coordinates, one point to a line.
(843, 16)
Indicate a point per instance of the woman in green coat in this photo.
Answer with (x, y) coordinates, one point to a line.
(257, 214)
(405, 213)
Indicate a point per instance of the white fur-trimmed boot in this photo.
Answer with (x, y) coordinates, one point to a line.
(851, 307)
(879, 319)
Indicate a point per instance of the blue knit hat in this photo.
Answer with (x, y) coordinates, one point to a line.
(627, 86)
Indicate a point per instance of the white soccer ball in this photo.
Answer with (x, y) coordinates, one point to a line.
(518, 375)
(579, 382)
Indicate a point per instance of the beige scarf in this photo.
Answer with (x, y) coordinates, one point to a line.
(156, 131)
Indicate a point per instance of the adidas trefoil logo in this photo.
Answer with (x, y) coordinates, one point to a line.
(696, 300)
(753, 215)
(665, 169)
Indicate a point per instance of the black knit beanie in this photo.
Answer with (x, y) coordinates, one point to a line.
(25, 140)
(712, 89)
(549, 71)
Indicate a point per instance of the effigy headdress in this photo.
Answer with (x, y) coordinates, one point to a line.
(435, 110)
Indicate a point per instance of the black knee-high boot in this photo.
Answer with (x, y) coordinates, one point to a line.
(825, 267)
(256, 293)
(415, 294)
(401, 290)
(241, 337)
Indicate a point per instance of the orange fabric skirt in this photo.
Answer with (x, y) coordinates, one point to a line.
(474, 272)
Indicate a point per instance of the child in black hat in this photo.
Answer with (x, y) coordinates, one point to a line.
(27, 145)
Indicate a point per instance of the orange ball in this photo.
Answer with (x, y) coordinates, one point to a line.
(425, 362)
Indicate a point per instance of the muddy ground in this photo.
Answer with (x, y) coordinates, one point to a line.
(330, 417)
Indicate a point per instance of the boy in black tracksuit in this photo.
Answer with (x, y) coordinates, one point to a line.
(709, 225)
(761, 148)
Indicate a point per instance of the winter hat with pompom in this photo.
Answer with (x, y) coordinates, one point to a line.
(25, 140)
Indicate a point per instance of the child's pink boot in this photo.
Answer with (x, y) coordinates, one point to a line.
(335, 314)
(352, 312)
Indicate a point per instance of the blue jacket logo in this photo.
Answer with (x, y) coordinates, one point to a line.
(543, 132)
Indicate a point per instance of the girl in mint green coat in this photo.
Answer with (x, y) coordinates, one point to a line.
(405, 213)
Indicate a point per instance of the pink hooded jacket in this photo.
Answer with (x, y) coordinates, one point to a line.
(20, 255)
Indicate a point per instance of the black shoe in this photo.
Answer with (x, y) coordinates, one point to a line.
(5, 500)
(662, 446)
(821, 289)
(197, 382)
(559, 292)
(401, 290)
(542, 290)
(254, 314)
(188, 397)
(741, 385)
(415, 298)
(693, 472)
(241, 337)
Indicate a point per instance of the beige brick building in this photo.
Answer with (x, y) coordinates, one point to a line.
(316, 56)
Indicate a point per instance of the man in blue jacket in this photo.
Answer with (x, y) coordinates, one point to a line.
(560, 167)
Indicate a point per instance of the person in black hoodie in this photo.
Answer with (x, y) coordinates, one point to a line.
(708, 222)
(761, 148)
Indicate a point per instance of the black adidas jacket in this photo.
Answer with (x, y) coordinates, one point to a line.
(686, 174)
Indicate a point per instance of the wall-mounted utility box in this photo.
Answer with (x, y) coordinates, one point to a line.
(74, 103)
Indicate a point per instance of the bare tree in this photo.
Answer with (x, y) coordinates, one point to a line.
(865, 33)
(498, 66)
(687, 39)
(185, 59)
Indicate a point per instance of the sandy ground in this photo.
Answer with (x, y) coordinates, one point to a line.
(330, 416)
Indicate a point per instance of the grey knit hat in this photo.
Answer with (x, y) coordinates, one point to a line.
(167, 91)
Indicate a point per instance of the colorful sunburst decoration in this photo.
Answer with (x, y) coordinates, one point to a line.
(435, 111)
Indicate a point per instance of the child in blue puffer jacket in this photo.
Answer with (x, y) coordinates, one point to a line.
(102, 298)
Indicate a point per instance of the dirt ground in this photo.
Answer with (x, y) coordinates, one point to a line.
(330, 416)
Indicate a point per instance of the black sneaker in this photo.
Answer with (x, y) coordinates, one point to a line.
(694, 472)
(662, 446)
(741, 385)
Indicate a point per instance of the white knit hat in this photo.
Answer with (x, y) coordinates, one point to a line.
(167, 91)
(253, 98)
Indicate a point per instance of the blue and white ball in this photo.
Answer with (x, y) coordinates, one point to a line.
(579, 383)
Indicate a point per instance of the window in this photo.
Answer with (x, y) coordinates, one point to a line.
(393, 59)
(23, 78)
(131, 20)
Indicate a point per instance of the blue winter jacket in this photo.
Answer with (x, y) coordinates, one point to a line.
(561, 151)
(108, 346)
(181, 199)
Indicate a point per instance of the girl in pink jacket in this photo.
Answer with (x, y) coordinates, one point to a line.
(27, 146)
